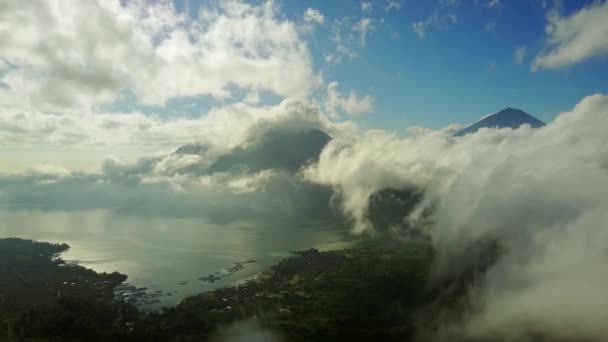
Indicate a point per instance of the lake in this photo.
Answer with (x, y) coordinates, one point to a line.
(169, 255)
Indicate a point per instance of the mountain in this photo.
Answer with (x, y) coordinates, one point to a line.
(509, 117)
(278, 149)
(388, 207)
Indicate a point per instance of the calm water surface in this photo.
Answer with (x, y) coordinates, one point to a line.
(168, 254)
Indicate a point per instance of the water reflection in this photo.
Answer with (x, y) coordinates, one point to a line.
(164, 254)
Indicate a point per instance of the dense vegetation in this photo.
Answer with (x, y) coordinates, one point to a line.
(41, 295)
(362, 294)
(375, 291)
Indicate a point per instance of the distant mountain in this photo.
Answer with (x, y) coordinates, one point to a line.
(276, 150)
(286, 150)
(509, 117)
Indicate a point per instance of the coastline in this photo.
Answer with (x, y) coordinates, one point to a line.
(308, 296)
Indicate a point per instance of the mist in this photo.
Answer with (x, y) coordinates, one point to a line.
(539, 193)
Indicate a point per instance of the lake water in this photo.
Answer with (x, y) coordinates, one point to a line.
(168, 255)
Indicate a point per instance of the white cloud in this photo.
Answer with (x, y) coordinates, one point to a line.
(61, 62)
(364, 27)
(392, 5)
(520, 54)
(349, 36)
(351, 104)
(366, 6)
(80, 55)
(540, 194)
(329, 58)
(493, 3)
(252, 98)
(313, 16)
(440, 18)
(343, 39)
(419, 28)
(575, 38)
(30, 128)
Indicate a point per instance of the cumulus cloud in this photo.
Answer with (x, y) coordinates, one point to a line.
(520, 54)
(392, 5)
(539, 193)
(314, 16)
(311, 19)
(79, 55)
(62, 67)
(366, 6)
(37, 136)
(575, 38)
(31, 128)
(351, 104)
(357, 167)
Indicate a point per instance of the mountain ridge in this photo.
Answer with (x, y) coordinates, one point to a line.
(275, 150)
(508, 117)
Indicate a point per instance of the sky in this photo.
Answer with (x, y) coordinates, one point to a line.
(467, 58)
(79, 82)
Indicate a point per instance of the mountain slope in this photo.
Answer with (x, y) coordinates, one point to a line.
(275, 150)
(509, 117)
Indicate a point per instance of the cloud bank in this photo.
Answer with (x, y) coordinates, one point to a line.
(236, 164)
(540, 193)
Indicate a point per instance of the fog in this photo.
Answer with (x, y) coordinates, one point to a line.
(541, 193)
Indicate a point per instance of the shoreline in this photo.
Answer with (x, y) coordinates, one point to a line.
(299, 297)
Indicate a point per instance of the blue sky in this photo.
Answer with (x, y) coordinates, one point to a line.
(462, 71)
(458, 71)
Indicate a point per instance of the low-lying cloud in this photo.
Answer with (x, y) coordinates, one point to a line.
(240, 162)
(39, 136)
(540, 193)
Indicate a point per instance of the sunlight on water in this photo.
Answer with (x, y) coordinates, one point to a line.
(168, 255)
